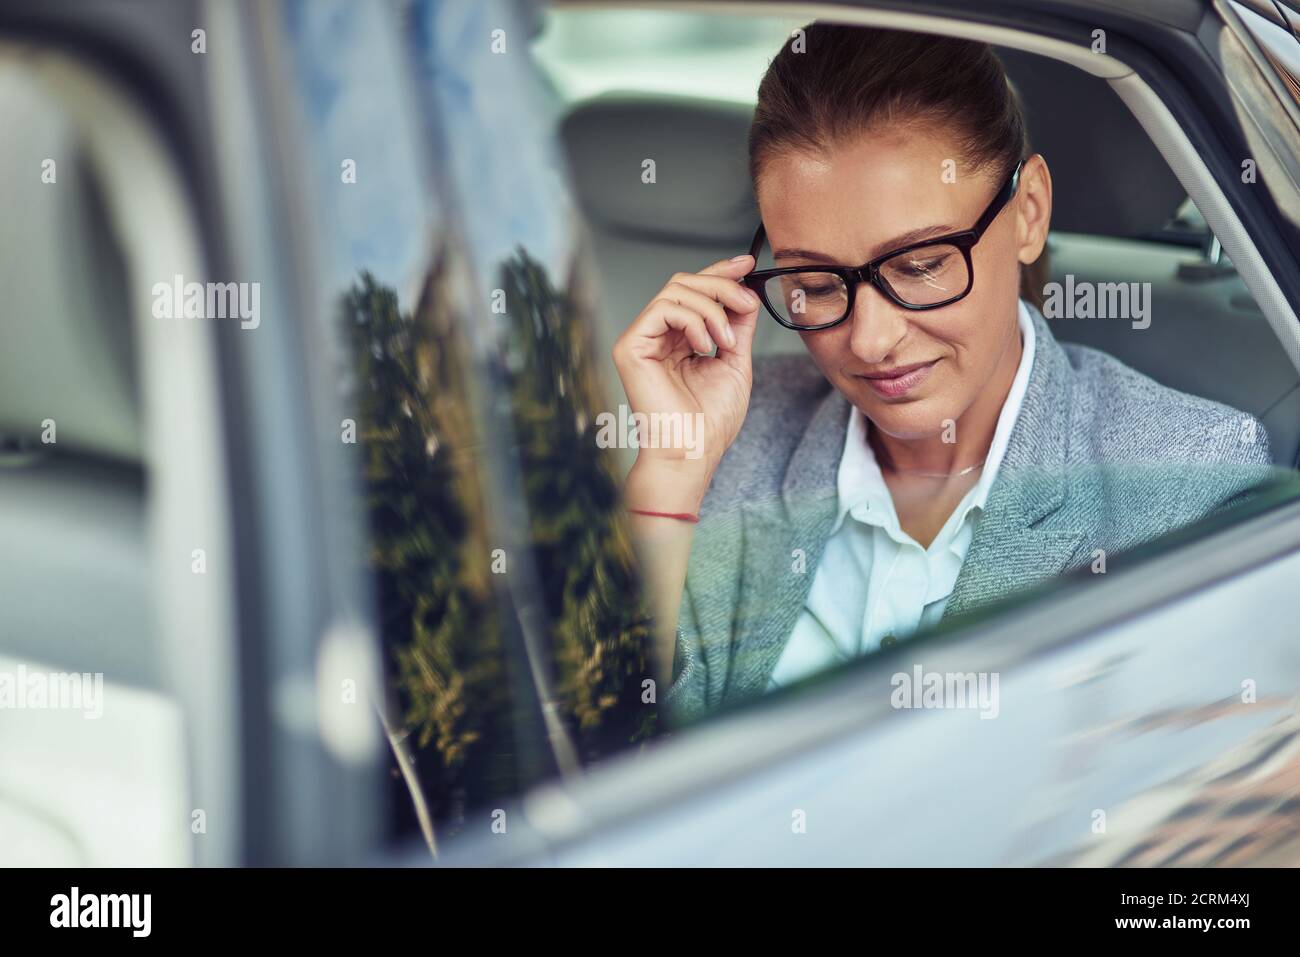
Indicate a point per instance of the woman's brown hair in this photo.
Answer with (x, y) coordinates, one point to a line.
(831, 81)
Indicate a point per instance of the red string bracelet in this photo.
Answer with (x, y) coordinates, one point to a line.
(680, 516)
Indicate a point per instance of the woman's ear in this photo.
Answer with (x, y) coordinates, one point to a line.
(1033, 209)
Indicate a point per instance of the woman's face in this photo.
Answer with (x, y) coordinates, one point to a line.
(885, 189)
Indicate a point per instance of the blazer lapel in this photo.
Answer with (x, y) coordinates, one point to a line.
(713, 590)
(783, 541)
(1009, 549)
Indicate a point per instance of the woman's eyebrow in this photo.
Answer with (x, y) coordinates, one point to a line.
(897, 242)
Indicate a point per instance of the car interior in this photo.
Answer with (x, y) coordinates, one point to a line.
(1119, 215)
(76, 507)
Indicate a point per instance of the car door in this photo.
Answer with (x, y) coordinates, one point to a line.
(116, 589)
(1142, 713)
(178, 565)
(355, 573)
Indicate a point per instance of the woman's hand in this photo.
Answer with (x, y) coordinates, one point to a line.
(658, 359)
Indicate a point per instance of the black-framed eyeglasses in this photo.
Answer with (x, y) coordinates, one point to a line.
(926, 275)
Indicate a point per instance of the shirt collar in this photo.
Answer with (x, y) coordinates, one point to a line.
(860, 484)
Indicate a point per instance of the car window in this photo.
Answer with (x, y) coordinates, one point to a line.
(1279, 43)
(386, 321)
(473, 306)
(503, 581)
(654, 110)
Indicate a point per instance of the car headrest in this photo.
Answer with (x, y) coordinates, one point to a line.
(1108, 177)
(701, 185)
(67, 353)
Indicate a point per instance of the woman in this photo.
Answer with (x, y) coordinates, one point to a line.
(941, 449)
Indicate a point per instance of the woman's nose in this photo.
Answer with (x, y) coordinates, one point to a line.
(878, 325)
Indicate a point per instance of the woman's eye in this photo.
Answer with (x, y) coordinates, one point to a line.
(921, 268)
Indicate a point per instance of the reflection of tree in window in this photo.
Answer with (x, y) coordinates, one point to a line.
(600, 631)
(429, 544)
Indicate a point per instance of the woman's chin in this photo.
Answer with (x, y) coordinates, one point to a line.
(920, 419)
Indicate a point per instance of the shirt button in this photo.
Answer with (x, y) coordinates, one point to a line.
(888, 641)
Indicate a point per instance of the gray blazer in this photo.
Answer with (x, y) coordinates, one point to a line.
(1101, 457)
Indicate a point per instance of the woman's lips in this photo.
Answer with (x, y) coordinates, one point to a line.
(895, 387)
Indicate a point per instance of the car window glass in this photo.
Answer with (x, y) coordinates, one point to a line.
(672, 92)
(504, 584)
(1281, 45)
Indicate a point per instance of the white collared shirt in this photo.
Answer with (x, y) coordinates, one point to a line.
(874, 580)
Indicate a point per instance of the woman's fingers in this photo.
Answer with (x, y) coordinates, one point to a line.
(722, 286)
(714, 315)
(709, 308)
(711, 314)
(681, 318)
(732, 268)
(744, 314)
(691, 324)
(743, 327)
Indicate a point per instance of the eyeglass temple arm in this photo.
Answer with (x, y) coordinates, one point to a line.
(757, 244)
